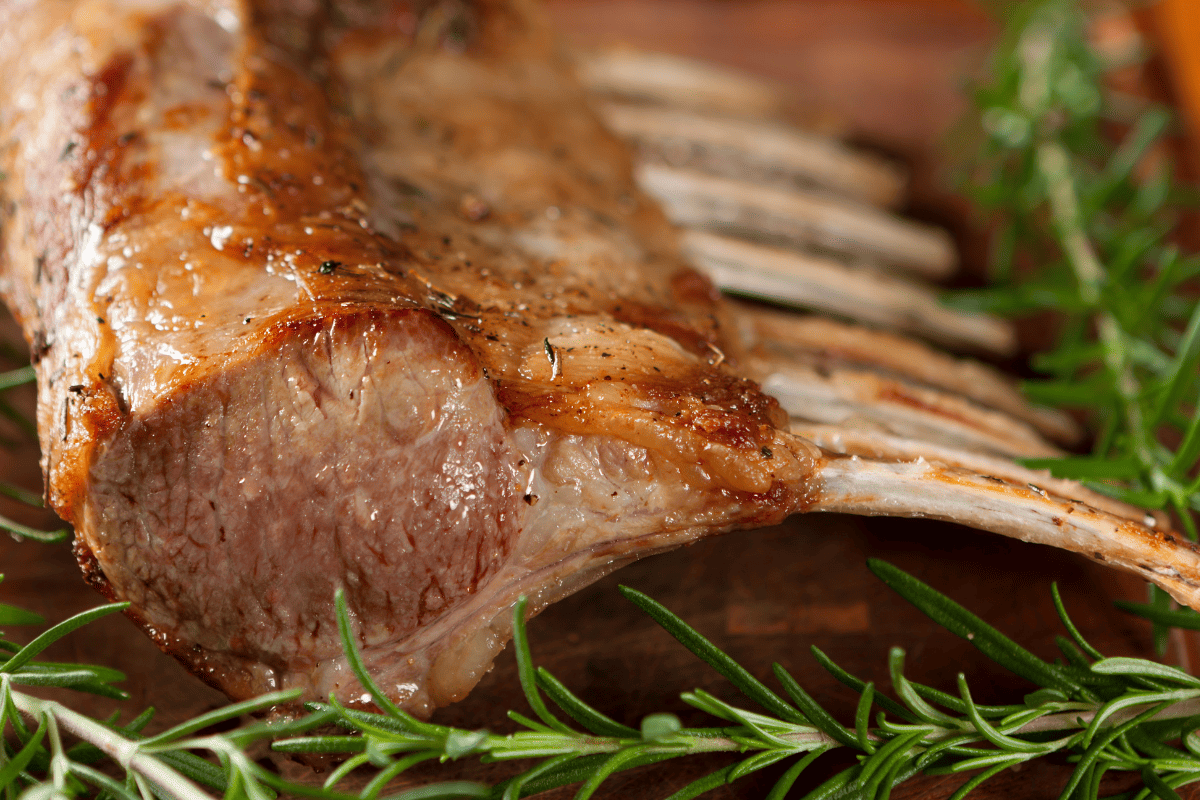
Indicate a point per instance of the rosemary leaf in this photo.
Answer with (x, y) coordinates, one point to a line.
(977, 780)
(581, 712)
(789, 778)
(11, 615)
(1076, 636)
(350, 647)
(525, 671)
(819, 717)
(713, 656)
(1140, 666)
(875, 769)
(10, 771)
(987, 639)
(1179, 618)
(30, 651)
(846, 679)
(260, 703)
(704, 784)
(1156, 784)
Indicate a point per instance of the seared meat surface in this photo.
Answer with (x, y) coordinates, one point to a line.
(267, 372)
(366, 297)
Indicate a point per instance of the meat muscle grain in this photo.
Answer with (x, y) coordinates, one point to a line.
(365, 298)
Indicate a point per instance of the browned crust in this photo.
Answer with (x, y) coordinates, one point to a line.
(718, 407)
(190, 658)
(93, 576)
(232, 682)
(90, 416)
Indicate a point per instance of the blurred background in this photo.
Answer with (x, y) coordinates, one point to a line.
(887, 71)
(896, 75)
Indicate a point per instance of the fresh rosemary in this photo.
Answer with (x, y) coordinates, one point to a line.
(1105, 714)
(1083, 231)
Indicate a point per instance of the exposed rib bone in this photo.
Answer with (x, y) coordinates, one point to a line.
(849, 440)
(849, 397)
(855, 485)
(822, 284)
(673, 81)
(942, 463)
(803, 219)
(812, 338)
(755, 150)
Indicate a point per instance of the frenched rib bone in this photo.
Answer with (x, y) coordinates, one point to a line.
(374, 303)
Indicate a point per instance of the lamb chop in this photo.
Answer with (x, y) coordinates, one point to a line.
(366, 297)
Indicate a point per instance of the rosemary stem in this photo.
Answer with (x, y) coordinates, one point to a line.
(1055, 167)
(685, 742)
(1080, 719)
(691, 742)
(112, 744)
(807, 740)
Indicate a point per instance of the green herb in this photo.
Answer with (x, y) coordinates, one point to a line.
(1106, 714)
(1082, 230)
(35, 763)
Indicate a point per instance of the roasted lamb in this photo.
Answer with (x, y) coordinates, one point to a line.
(364, 296)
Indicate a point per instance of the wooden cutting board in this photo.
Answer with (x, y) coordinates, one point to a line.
(891, 72)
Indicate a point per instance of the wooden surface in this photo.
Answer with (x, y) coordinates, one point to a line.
(891, 71)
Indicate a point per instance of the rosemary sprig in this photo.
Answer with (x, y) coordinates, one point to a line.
(1105, 714)
(35, 762)
(1083, 230)
(1120, 714)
